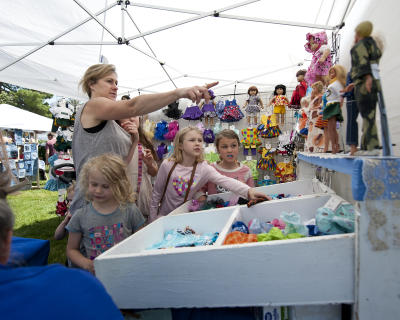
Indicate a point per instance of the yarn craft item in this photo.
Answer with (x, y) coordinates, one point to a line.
(237, 237)
(148, 128)
(161, 130)
(161, 150)
(172, 111)
(192, 113)
(208, 136)
(173, 128)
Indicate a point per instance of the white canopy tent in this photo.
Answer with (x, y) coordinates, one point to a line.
(157, 47)
(16, 118)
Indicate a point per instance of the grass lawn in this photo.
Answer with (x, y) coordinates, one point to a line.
(35, 218)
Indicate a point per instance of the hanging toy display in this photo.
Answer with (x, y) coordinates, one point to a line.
(173, 128)
(279, 102)
(208, 136)
(232, 112)
(162, 150)
(192, 113)
(252, 105)
(250, 141)
(161, 130)
(317, 44)
(269, 127)
(173, 111)
(300, 91)
(208, 109)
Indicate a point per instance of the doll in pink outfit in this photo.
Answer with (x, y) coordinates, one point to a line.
(317, 44)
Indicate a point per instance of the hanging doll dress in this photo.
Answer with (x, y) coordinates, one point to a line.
(192, 113)
(232, 112)
(268, 127)
(253, 105)
(208, 110)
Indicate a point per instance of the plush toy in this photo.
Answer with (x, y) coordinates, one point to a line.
(317, 44)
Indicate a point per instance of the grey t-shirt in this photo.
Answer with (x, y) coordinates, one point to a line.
(100, 231)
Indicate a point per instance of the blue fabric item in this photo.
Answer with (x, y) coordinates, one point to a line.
(240, 226)
(352, 114)
(28, 252)
(53, 292)
(177, 238)
(54, 185)
(160, 130)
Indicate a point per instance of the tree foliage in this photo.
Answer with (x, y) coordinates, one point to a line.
(26, 99)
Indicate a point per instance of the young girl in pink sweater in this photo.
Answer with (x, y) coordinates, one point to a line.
(182, 176)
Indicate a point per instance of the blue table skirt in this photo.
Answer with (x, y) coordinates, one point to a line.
(29, 252)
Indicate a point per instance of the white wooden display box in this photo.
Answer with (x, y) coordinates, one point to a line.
(315, 270)
(295, 188)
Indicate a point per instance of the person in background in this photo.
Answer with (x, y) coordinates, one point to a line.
(141, 162)
(184, 174)
(51, 140)
(96, 132)
(111, 215)
(38, 292)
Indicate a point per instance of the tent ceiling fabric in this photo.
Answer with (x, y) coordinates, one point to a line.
(16, 118)
(195, 52)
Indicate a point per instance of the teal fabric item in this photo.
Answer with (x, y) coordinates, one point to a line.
(293, 223)
(336, 222)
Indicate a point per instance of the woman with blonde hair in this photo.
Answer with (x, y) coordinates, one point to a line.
(96, 131)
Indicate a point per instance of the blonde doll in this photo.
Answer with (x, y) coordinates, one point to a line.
(333, 110)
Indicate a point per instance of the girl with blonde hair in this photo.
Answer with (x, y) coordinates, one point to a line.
(110, 216)
(182, 176)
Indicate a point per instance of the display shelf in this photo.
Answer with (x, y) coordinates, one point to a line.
(314, 270)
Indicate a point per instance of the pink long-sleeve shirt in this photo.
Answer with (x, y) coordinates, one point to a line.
(178, 183)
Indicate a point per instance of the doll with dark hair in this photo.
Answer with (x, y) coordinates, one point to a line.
(252, 105)
(300, 90)
(208, 109)
(280, 102)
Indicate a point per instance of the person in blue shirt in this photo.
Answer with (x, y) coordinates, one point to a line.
(46, 292)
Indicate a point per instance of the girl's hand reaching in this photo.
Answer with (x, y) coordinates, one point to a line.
(253, 195)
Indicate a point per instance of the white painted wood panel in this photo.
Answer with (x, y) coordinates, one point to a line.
(304, 271)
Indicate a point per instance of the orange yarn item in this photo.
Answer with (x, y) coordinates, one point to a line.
(237, 237)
